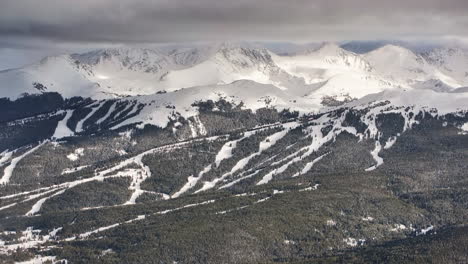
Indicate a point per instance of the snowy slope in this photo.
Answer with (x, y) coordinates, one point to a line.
(407, 69)
(452, 62)
(53, 74)
(334, 71)
(314, 74)
(232, 63)
(429, 100)
(160, 108)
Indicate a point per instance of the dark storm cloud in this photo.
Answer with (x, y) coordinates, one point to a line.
(129, 21)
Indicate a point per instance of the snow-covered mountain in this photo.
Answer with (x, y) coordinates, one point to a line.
(452, 62)
(233, 149)
(315, 74)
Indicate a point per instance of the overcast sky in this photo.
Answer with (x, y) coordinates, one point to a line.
(31, 28)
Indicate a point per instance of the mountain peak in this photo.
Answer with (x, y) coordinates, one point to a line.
(393, 49)
(126, 54)
(328, 48)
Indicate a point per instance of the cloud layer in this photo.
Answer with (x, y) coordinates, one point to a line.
(140, 21)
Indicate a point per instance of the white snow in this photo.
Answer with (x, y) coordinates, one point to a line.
(309, 165)
(191, 182)
(109, 112)
(5, 157)
(318, 140)
(252, 95)
(390, 142)
(418, 99)
(62, 129)
(185, 206)
(239, 180)
(38, 205)
(277, 192)
(289, 242)
(310, 188)
(38, 260)
(74, 156)
(352, 242)
(244, 73)
(94, 108)
(263, 200)
(73, 170)
(8, 171)
(29, 238)
(398, 228)
(425, 230)
(137, 179)
(101, 229)
(264, 145)
(375, 155)
(137, 176)
(465, 127)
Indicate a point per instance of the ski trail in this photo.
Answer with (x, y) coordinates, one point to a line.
(101, 229)
(318, 140)
(139, 218)
(109, 112)
(38, 205)
(200, 126)
(130, 105)
(390, 142)
(290, 156)
(264, 145)
(137, 178)
(79, 125)
(8, 171)
(228, 147)
(191, 182)
(375, 155)
(31, 197)
(101, 175)
(309, 165)
(6, 156)
(239, 180)
(62, 129)
(192, 129)
(224, 153)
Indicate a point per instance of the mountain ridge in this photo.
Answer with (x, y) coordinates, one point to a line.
(128, 71)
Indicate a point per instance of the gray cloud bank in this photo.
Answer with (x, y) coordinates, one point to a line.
(138, 21)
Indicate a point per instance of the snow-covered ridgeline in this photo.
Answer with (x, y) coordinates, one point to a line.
(129, 71)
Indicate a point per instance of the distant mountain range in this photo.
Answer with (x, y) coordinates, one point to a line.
(235, 154)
